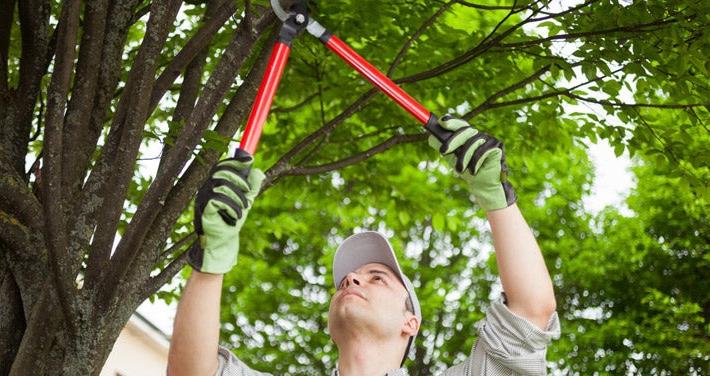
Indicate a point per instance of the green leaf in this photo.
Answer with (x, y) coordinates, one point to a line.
(403, 217)
(438, 222)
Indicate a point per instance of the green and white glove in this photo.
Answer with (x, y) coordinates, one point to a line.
(478, 157)
(221, 208)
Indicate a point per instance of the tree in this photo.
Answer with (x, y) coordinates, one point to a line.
(87, 87)
(633, 285)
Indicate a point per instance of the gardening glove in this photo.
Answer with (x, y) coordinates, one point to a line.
(221, 208)
(478, 157)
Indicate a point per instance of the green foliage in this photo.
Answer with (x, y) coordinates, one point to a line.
(631, 288)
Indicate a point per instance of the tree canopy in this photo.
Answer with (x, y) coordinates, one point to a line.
(112, 113)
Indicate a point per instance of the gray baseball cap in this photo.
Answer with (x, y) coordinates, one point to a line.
(371, 247)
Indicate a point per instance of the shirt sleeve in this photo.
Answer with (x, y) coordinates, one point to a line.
(230, 365)
(508, 345)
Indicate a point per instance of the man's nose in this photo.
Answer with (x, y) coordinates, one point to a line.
(351, 278)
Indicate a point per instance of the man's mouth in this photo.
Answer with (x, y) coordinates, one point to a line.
(352, 292)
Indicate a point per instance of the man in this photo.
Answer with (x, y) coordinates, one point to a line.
(374, 316)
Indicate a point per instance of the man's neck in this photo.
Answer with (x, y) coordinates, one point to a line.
(359, 358)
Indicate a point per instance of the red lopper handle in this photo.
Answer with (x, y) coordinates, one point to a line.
(264, 97)
(377, 78)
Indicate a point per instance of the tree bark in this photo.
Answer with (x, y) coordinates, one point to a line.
(12, 318)
(17, 123)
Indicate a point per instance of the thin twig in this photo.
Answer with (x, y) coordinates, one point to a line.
(155, 283)
(420, 30)
(638, 28)
(556, 15)
(282, 110)
(489, 7)
(550, 94)
(366, 135)
(481, 47)
(518, 85)
(498, 25)
(388, 144)
(179, 244)
(636, 105)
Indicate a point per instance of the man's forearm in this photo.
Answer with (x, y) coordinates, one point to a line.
(525, 278)
(193, 348)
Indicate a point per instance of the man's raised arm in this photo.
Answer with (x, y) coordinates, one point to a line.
(525, 278)
(221, 208)
(480, 160)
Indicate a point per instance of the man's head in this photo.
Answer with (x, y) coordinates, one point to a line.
(374, 300)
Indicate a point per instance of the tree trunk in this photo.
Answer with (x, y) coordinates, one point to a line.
(48, 347)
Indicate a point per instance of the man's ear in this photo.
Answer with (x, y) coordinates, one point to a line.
(411, 325)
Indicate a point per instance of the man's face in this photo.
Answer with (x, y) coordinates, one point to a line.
(370, 299)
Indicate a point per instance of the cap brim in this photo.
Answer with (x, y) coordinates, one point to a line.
(362, 249)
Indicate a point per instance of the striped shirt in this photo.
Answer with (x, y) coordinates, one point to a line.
(507, 345)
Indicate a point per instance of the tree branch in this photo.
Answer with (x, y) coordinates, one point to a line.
(374, 133)
(83, 95)
(283, 110)
(84, 145)
(550, 94)
(490, 7)
(155, 197)
(192, 48)
(34, 22)
(40, 116)
(388, 144)
(16, 198)
(85, 134)
(518, 85)
(195, 175)
(502, 21)
(189, 89)
(118, 158)
(26, 257)
(12, 318)
(165, 275)
(636, 105)
(668, 150)
(484, 45)
(638, 28)
(54, 214)
(51, 49)
(153, 284)
(7, 13)
(567, 11)
(189, 238)
(283, 163)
